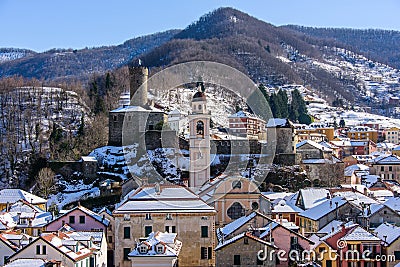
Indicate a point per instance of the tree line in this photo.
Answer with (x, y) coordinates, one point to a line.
(294, 110)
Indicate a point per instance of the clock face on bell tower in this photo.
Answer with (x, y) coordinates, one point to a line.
(199, 140)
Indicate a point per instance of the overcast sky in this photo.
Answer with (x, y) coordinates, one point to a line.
(44, 24)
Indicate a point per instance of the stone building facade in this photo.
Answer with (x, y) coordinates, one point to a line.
(166, 208)
(243, 251)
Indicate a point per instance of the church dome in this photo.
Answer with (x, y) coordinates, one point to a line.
(199, 96)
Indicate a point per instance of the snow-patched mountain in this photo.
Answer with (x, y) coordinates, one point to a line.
(9, 54)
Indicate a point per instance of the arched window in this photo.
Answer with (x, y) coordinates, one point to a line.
(235, 211)
(199, 107)
(254, 206)
(200, 128)
(236, 184)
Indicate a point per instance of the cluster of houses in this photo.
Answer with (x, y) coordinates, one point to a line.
(227, 222)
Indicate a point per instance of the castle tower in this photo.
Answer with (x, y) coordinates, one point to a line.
(138, 75)
(199, 143)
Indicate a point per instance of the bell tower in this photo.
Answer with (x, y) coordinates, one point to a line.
(199, 143)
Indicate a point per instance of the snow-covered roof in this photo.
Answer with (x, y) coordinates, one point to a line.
(393, 203)
(283, 206)
(359, 234)
(175, 112)
(236, 224)
(348, 171)
(244, 114)
(136, 109)
(88, 158)
(13, 195)
(165, 192)
(325, 207)
(371, 209)
(397, 148)
(313, 196)
(333, 225)
(359, 143)
(274, 122)
(275, 195)
(370, 179)
(163, 198)
(61, 242)
(240, 236)
(356, 198)
(314, 144)
(332, 160)
(391, 232)
(386, 159)
(26, 263)
(328, 145)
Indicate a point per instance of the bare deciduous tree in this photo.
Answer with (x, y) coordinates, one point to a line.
(46, 182)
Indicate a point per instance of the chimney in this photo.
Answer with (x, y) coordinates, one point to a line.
(157, 188)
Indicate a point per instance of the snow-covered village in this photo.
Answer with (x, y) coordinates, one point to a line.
(230, 142)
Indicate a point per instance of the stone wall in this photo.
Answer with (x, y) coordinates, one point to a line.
(136, 123)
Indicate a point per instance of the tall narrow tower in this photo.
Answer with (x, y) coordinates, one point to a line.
(199, 126)
(138, 76)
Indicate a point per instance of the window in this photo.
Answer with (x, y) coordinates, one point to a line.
(127, 232)
(127, 217)
(246, 240)
(254, 206)
(148, 230)
(236, 184)
(82, 219)
(204, 253)
(390, 168)
(382, 168)
(168, 217)
(126, 252)
(148, 216)
(170, 229)
(110, 240)
(143, 249)
(200, 128)
(236, 259)
(204, 231)
(160, 249)
(235, 211)
(72, 219)
(41, 250)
